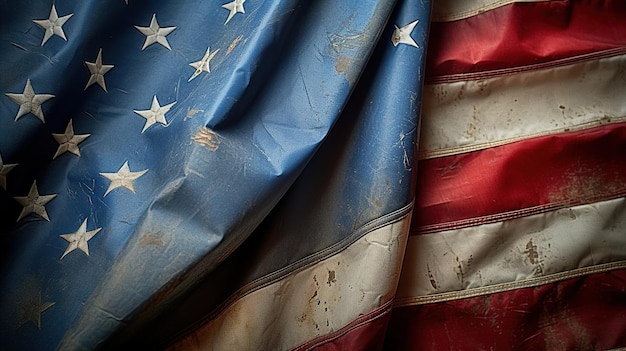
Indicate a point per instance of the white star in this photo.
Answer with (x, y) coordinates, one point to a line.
(53, 25)
(34, 203)
(79, 239)
(122, 178)
(69, 141)
(203, 65)
(156, 113)
(4, 170)
(403, 35)
(29, 102)
(31, 307)
(155, 34)
(234, 7)
(97, 70)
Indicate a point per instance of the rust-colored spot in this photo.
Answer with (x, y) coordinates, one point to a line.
(459, 95)
(331, 278)
(459, 271)
(482, 85)
(342, 64)
(431, 277)
(531, 252)
(442, 93)
(470, 260)
(308, 315)
(150, 239)
(191, 112)
(376, 202)
(302, 318)
(206, 137)
(473, 126)
(586, 182)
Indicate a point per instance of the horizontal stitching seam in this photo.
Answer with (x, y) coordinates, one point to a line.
(503, 287)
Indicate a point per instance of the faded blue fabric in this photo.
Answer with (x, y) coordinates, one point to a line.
(287, 105)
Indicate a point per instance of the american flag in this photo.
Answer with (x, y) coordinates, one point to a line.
(518, 238)
(244, 175)
(144, 143)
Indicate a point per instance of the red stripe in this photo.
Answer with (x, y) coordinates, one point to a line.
(525, 34)
(365, 333)
(587, 313)
(533, 175)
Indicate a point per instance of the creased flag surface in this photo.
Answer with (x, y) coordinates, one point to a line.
(313, 175)
(195, 174)
(518, 233)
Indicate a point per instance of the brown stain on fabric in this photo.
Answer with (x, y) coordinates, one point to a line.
(206, 137)
(533, 256)
(331, 278)
(431, 277)
(342, 65)
(531, 252)
(150, 239)
(309, 312)
(586, 183)
(191, 112)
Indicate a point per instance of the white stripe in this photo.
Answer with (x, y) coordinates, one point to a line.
(473, 115)
(312, 302)
(498, 288)
(452, 10)
(512, 251)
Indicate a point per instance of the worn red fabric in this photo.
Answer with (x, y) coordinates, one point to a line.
(584, 313)
(521, 178)
(523, 34)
